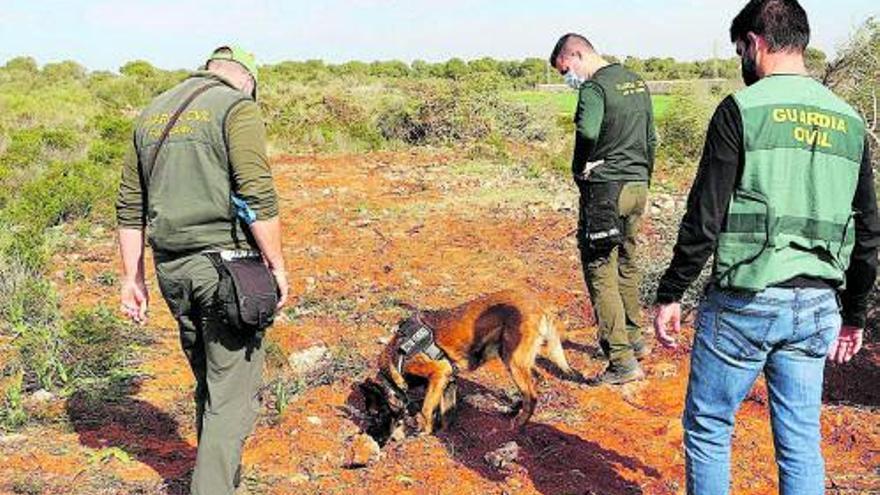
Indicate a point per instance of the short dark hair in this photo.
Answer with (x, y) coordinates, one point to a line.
(783, 23)
(561, 44)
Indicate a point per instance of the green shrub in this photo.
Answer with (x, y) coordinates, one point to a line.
(106, 153)
(113, 127)
(66, 191)
(682, 129)
(114, 138)
(118, 92)
(12, 413)
(26, 297)
(63, 71)
(94, 345)
(443, 113)
(41, 351)
(24, 148)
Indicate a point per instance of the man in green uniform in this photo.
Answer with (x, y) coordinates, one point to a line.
(784, 198)
(208, 188)
(612, 166)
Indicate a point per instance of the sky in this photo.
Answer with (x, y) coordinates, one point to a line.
(172, 34)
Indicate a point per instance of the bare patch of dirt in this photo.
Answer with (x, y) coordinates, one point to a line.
(363, 233)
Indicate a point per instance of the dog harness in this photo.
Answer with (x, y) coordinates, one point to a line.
(414, 337)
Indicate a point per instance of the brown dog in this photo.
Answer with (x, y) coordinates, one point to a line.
(510, 324)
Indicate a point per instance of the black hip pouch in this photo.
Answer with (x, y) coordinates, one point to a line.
(600, 225)
(247, 293)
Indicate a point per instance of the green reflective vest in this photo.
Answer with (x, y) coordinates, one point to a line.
(791, 214)
(188, 194)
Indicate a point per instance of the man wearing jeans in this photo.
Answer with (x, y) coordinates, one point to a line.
(612, 165)
(784, 197)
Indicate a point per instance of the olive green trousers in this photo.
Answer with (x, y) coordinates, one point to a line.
(613, 279)
(227, 367)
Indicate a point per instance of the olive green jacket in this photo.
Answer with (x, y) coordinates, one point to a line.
(217, 148)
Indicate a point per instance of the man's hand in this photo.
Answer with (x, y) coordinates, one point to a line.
(134, 292)
(667, 323)
(283, 287)
(135, 300)
(267, 233)
(847, 345)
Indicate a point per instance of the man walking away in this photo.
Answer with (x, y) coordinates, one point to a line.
(612, 166)
(784, 197)
(198, 184)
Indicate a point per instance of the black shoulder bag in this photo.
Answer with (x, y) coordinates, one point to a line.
(247, 293)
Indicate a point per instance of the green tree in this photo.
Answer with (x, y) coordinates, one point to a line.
(421, 69)
(391, 68)
(455, 68)
(67, 70)
(485, 64)
(23, 64)
(816, 61)
(138, 69)
(855, 75)
(353, 68)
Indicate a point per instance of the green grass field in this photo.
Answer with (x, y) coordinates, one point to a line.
(565, 102)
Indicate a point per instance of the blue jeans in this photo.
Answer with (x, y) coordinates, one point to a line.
(784, 332)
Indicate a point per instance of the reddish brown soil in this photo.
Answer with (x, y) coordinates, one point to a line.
(360, 232)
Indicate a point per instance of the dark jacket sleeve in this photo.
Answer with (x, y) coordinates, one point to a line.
(588, 124)
(130, 212)
(246, 138)
(708, 201)
(862, 270)
(652, 145)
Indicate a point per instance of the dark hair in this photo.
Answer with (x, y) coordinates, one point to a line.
(783, 23)
(561, 44)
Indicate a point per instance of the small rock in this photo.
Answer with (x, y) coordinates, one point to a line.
(406, 480)
(665, 370)
(308, 360)
(42, 395)
(503, 456)
(314, 420)
(384, 340)
(487, 403)
(365, 222)
(362, 452)
(12, 439)
(299, 479)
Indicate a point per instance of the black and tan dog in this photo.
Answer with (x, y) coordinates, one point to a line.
(510, 324)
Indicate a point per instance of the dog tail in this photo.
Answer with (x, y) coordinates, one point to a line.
(549, 331)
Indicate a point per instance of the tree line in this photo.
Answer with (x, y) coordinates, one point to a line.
(519, 73)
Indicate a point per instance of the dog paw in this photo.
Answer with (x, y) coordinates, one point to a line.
(424, 427)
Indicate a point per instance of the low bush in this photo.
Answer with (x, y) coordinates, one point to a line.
(682, 129)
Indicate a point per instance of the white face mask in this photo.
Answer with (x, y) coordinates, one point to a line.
(573, 80)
